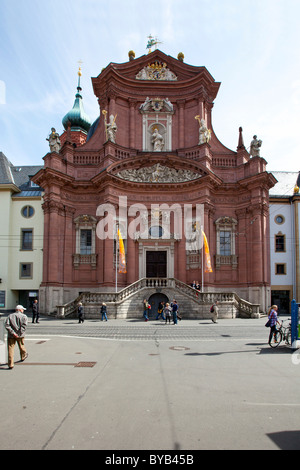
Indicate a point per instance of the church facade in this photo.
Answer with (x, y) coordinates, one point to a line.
(151, 173)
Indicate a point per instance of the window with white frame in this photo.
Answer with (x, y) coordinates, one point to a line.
(225, 242)
(85, 227)
(225, 237)
(86, 241)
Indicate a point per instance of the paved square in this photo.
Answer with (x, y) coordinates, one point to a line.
(152, 386)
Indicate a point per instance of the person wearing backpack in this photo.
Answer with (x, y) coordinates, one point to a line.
(214, 310)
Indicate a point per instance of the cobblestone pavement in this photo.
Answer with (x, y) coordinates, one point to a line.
(134, 329)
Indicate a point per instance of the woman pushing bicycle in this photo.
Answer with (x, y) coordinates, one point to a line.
(273, 320)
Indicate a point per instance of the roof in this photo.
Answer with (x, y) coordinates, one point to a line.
(5, 170)
(285, 185)
(20, 176)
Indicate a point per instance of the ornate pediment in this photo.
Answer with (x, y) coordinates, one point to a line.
(158, 174)
(156, 105)
(156, 71)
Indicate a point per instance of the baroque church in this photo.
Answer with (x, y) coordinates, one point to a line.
(149, 180)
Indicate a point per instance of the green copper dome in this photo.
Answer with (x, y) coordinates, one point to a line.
(77, 117)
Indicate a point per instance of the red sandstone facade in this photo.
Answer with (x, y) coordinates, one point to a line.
(152, 92)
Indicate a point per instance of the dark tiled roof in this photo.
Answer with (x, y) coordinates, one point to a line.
(5, 170)
(17, 175)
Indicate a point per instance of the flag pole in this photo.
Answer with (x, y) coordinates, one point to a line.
(117, 257)
(202, 248)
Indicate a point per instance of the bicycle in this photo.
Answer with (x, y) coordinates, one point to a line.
(283, 333)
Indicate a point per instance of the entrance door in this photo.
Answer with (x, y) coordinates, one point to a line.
(156, 264)
(281, 298)
(154, 300)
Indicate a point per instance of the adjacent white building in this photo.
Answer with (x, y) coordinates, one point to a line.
(21, 235)
(284, 242)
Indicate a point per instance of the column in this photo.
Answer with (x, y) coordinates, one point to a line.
(109, 270)
(242, 246)
(132, 104)
(55, 244)
(181, 123)
(257, 243)
(68, 245)
(46, 241)
(131, 256)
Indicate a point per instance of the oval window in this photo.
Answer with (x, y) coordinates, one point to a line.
(156, 231)
(27, 211)
(279, 219)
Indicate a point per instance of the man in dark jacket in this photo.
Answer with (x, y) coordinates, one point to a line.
(35, 311)
(80, 313)
(15, 325)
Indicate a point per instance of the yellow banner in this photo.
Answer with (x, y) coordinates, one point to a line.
(208, 268)
(122, 260)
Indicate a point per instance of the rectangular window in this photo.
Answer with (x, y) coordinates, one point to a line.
(85, 242)
(280, 268)
(26, 239)
(2, 298)
(25, 270)
(225, 243)
(279, 243)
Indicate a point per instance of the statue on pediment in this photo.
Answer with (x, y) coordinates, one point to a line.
(54, 141)
(204, 132)
(255, 147)
(112, 128)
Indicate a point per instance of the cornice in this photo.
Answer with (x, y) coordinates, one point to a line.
(257, 180)
(192, 81)
(9, 187)
(48, 176)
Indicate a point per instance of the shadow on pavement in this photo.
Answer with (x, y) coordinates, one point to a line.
(286, 440)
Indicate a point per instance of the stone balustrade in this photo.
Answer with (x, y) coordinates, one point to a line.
(121, 303)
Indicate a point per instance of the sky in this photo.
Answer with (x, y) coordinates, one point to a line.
(250, 46)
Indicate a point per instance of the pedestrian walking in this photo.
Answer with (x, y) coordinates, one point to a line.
(104, 311)
(174, 311)
(15, 325)
(167, 313)
(35, 311)
(160, 311)
(80, 313)
(214, 309)
(147, 307)
(272, 320)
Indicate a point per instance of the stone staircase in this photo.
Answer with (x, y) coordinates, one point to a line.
(128, 302)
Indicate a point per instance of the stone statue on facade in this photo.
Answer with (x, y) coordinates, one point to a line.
(157, 140)
(255, 147)
(54, 141)
(193, 239)
(111, 128)
(204, 132)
